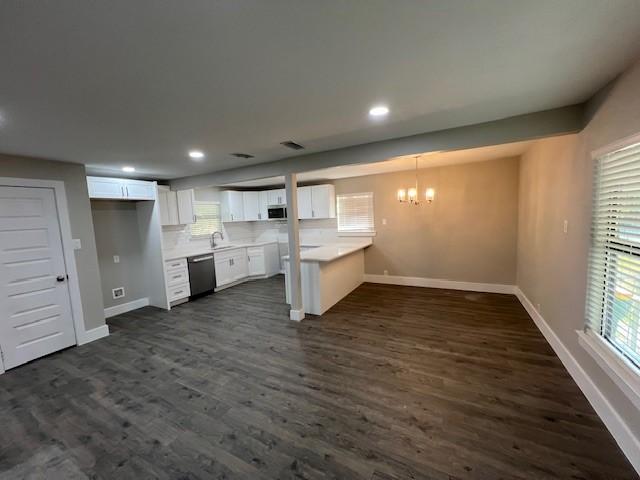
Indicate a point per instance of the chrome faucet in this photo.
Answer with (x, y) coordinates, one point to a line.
(213, 238)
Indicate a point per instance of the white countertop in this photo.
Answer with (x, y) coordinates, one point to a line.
(204, 249)
(330, 252)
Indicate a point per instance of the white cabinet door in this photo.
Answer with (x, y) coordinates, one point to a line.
(263, 214)
(168, 207)
(255, 258)
(139, 190)
(277, 197)
(232, 206)
(100, 187)
(323, 201)
(186, 213)
(251, 205)
(34, 293)
(223, 272)
(305, 209)
(240, 265)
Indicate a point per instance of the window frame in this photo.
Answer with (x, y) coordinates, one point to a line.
(614, 362)
(201, 202)
(356, 233)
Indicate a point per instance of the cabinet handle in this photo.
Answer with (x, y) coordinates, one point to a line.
(232, 217)
(177, 276)
(122, 190)
(313, 214)
(127, 189)
(259, 216)
(195, 219)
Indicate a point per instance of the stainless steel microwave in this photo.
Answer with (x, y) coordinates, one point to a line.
(277, 211)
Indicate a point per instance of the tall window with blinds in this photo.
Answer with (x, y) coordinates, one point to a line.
(355, 212)
(613, 297)
(208, 219)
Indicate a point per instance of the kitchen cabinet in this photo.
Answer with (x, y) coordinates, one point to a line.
(231, 266)
(120, 189)
(263, 201)
(323, 201)
(232, 206)
(305, 207)
(186, 212)
(255, 258)
(277, 197)
(251, 204)
(176, 275)
(176, 208)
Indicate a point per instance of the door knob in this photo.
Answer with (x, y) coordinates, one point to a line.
(60, 278)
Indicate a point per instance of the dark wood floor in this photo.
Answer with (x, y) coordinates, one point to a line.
(392, 383)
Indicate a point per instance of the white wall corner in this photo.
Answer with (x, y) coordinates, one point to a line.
(125, 307)
(296, 315)
(439, 283)
(627, 441)
(94, 334)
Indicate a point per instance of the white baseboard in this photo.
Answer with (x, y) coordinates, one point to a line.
(621, 432)
(94, 334)
(125, 307)
(296, 315)
(438, 283)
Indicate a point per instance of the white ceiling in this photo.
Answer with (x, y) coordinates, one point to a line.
(397, 164)
(110, 83)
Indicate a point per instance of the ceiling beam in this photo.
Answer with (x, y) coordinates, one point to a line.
(558, 121)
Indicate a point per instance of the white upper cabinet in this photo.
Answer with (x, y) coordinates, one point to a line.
(305, 208)
(186, 212)
(277, 197)
(251, 204)
(264, 205)
(120, 189)
(176, 208)
(232, 206)
(323, 201)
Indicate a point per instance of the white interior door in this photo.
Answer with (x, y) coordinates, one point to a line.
(35, 307)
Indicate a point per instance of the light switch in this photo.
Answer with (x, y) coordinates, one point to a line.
(77, 245)
(565, 226)
(384, 221)
(116, 259)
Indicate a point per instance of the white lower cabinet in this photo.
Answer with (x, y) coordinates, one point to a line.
(255, 259)
(231, 266)
(176, 274)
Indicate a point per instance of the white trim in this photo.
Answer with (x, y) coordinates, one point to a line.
(370, 233)
(296, 315)
(95, 334)
(439, 283)
(125, 307)
(622, 372)
(67, 245)
(621, 432)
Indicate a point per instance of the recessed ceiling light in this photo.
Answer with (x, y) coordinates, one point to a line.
(128, 169)
(196, 154)
(379, 111)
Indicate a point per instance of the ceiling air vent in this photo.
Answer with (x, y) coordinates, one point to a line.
(242, 155)
(292, 145)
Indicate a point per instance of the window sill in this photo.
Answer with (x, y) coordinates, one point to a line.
(357, 234)
(621, 371)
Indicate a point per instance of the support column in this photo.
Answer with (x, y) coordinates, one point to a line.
(295, 284)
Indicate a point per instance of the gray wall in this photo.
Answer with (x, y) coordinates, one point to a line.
(555, 182)
(74, 179)
(467, 234)
(117, 233)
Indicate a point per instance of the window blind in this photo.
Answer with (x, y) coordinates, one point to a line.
(613, 296)
(355, 212)
(208, 219)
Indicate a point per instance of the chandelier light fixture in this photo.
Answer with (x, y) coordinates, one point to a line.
(411, 195)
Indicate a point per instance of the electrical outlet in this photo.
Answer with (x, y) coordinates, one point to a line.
(116, 259)
(384, 221)
(538, 307)
(565, 226)
(386, 272)
(118, 292)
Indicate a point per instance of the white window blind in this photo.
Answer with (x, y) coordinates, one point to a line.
(355, 212)
(207, 219)
(613, 297)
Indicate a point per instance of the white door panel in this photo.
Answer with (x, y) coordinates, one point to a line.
(35, 307)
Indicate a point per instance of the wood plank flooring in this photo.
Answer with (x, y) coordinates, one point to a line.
(392, 383)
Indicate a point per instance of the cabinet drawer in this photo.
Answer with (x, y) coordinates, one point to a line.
(179, 291)
(177, 276)
(251, 251)
(227, 254)
(177, 263)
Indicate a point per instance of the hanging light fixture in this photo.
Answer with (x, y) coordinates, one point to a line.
(411, 195)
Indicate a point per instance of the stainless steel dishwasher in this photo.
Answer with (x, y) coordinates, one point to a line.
(202, 274)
